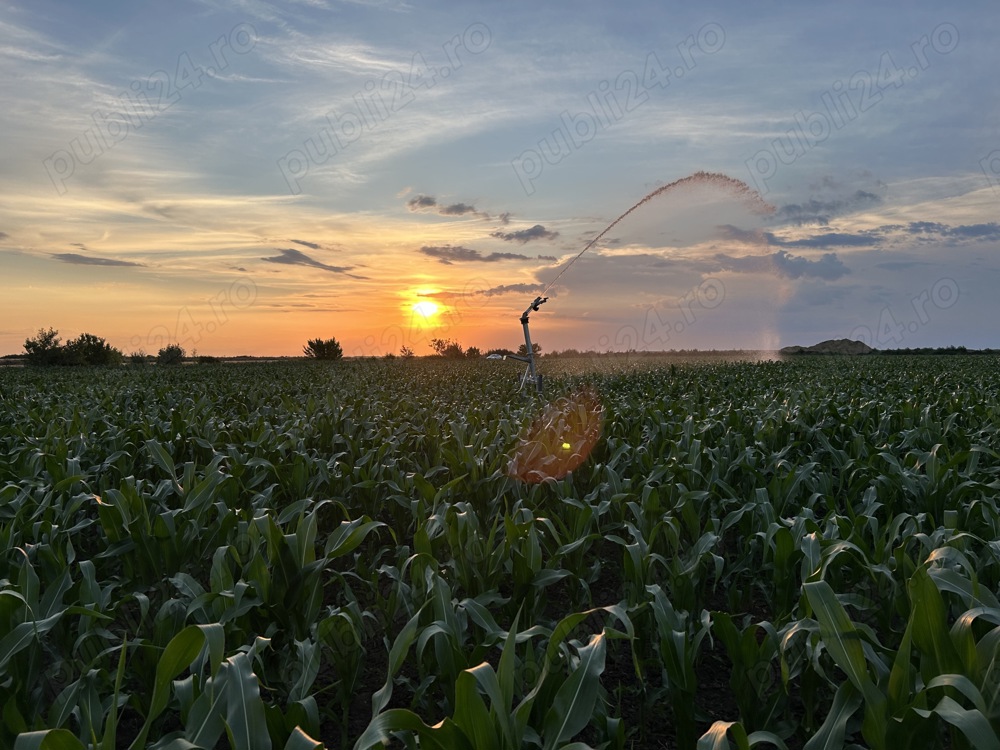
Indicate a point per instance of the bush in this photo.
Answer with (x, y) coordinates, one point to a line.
(447, 348)
(44, 348)
(323, 349)
(86, 349)
(172, 354)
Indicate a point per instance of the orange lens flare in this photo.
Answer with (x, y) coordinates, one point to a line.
(559, 440)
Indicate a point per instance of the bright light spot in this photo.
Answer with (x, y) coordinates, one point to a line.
(559, 440)
(425, 309)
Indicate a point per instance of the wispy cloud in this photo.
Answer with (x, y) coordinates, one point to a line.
(430, 203)
(784, 264)
(305, 243)
(922, 231)
(988, 231)
(292, 257)
(828, 239)
(522, 236)
(816, 211)
(449, 254)
(91, 260)
(514, 289)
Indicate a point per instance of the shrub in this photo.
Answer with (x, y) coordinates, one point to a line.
(88, 349)
(323, 349)
(447, 348)
(44, 348)
(172, 354)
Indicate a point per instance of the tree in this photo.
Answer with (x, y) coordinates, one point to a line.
(88, 349)
(85, 349)
(473, 352)
(447, 348)
(44, 348)
(523, 349)
(327, 349)
(172, 354)
(406, 352)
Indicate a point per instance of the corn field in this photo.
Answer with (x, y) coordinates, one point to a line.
(794, 554)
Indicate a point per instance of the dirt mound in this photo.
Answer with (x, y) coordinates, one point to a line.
(833, 346)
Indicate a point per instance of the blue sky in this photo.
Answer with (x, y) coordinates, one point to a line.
(241, 176)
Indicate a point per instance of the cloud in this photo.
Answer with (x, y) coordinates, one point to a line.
(457, 209)
(901, 265)
(292, 257)
(448, 254)
(312, 245)
(514, 289)
(927, 231)
(4, 235)
(751, 236)
(921, 231)
(925, 227)
(429, 202)
(782, 263)
(537, 232)
(504, 218)
(90, 260)
(420, 202)
(820, 212)
(829, 239)
(989, 231)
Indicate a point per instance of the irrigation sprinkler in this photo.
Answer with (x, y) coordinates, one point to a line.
(531, 375)
(742, 191)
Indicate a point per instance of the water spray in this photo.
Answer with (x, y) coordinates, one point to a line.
(562, 437)
(743, 192)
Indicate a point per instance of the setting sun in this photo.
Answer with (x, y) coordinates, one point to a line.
(425, 309)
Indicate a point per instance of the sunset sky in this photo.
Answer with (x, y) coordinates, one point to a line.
(239, 176)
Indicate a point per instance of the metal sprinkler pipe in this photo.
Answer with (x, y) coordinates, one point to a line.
(531, 374)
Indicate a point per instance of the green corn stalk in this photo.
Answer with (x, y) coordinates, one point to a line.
(680, 638)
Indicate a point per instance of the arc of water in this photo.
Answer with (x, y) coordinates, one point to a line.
(744, 192)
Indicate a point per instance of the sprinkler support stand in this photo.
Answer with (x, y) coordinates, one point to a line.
(531, 374)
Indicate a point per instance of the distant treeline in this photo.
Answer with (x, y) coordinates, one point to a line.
(935, 350)
(574, 353)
